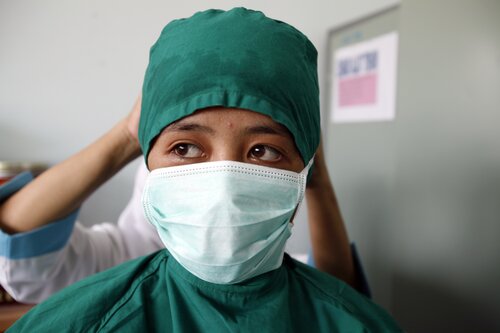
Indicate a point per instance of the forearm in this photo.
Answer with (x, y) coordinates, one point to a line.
(62, 188)
(330, 243)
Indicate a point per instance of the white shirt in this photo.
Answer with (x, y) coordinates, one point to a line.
(35, 264)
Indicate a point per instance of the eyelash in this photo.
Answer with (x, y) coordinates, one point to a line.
(178, 146)
(251, 154)
(270, 149)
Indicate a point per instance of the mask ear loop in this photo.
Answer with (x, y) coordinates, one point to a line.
(303, 181)
(308, 166)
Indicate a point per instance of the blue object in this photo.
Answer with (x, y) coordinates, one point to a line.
(49, 238)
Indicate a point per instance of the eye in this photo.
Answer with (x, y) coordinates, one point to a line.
(187, 150)
(265, 153)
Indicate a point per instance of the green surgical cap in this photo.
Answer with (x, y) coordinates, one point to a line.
(239, 59)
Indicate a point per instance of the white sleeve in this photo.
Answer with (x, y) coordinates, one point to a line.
(31, 272)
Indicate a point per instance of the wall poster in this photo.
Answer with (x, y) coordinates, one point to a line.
(364, 80)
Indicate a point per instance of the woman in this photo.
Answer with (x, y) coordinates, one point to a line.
(229, 127)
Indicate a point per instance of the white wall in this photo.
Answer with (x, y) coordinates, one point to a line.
(69, 70)
(421, 194)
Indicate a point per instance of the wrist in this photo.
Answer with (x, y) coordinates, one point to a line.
(124, 147)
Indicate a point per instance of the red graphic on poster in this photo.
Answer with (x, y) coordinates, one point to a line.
(357, 80)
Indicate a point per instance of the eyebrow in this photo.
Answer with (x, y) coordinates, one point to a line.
(186, 126)
(266, 129)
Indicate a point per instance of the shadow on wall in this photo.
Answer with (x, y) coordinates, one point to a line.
(426, 306)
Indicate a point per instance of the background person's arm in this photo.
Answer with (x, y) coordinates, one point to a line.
(329, 241)
(60, 190)
(47, 250)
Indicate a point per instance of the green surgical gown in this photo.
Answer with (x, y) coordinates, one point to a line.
(156, 294)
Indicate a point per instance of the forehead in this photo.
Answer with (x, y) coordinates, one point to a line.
(233, 118)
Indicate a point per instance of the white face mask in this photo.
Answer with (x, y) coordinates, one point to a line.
(224, 221)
